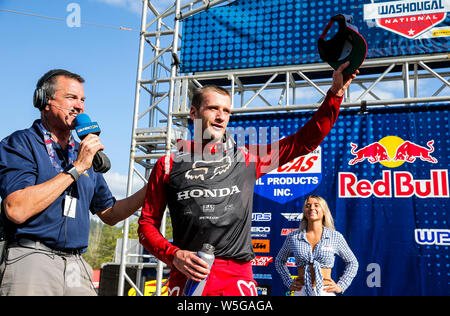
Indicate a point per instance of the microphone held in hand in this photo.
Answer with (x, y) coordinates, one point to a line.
(83, 127)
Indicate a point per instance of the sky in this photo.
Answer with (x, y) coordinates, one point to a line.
(105, 56)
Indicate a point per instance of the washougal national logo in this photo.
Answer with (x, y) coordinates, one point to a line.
(408, 18)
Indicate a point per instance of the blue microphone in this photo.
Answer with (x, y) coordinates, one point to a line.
(84, 126)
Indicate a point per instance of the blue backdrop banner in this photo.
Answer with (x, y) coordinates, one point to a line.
(262, 33)
(385, 177)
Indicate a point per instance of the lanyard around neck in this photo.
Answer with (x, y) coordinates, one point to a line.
(51, 151)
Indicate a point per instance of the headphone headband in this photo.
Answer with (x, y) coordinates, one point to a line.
(40, 97)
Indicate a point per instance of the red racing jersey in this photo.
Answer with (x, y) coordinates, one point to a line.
(209, 190)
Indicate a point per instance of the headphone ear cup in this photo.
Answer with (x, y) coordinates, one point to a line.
(39, 98)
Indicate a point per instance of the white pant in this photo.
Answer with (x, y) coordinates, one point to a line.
(302, 292)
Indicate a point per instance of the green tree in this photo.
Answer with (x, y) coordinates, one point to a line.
(103, 239)
(102, 242)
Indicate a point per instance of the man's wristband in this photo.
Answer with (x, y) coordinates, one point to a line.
(70, 169)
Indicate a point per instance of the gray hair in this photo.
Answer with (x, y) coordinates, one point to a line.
(49, 84)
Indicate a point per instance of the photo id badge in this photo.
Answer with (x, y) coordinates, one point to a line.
(70, 206)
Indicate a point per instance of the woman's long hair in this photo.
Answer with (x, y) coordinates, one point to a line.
(327, 218)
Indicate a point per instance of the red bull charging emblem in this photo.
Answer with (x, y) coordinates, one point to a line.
(392, 152)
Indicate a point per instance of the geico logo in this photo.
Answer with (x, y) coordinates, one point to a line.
(261, 217)
(260, 230)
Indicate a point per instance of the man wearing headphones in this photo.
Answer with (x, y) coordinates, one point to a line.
(48, 187)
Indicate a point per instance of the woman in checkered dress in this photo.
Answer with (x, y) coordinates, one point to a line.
(314, 246)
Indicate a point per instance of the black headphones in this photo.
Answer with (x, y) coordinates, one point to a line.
(40, 98)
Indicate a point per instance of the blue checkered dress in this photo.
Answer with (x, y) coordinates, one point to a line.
(331, 243)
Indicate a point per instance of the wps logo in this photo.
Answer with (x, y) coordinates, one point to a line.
(261, 217)
(407, 18)
(392, 152)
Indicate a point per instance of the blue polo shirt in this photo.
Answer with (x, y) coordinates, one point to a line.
(24, 161)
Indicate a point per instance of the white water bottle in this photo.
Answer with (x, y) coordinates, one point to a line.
(193, 288)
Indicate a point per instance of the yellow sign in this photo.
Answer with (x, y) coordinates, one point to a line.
(441, 33)
(150, 288)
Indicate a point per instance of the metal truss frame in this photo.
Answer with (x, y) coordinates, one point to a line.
(162, 93)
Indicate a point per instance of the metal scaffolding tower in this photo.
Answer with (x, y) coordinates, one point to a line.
(162, 93)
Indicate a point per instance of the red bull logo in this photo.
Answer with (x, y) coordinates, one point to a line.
(409, 151)
(392, 151)
(375, 152)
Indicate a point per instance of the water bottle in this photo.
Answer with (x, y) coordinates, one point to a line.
(193, 288)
